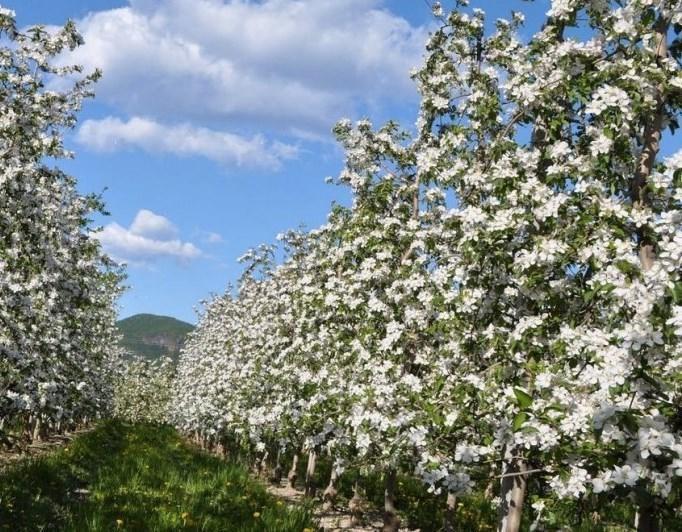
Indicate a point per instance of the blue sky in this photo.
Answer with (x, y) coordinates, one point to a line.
(210, 132)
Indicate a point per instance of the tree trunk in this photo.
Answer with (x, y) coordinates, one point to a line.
(36, 430)
(355, 506)
(276, 477)
(293, 472)
(310, 474)
(391, 520)
(263, 467)
(513, 493)
(651, 145)
(449, 519)
(329, 495)
(646, 520)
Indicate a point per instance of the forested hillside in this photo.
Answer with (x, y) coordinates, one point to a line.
(151, 337)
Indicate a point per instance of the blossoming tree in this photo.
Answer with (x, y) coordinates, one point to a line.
(501, 303)
(57, 288)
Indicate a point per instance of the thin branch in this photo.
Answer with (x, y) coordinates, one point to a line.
(522, 473)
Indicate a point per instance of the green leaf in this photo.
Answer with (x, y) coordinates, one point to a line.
(523, 398)
(649, 17)
(519, 419)
(677, 293)
(625, 266)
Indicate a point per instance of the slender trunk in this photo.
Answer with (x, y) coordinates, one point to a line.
(310, 474)
(513, 493)
(256, 465)
(329, 495)
(391, 520)
(263, 467)
(646, 520)
(449, 519)
(36, 430)
(293, 472)
(355, 506)
(276, 477)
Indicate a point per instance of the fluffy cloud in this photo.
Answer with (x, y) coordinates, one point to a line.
(281, 65)
(151, 225)
(111, 134)
(149, 237)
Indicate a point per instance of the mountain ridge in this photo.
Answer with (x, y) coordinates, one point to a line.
(152, 336)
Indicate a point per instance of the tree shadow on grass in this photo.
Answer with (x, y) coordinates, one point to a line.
(138, 478)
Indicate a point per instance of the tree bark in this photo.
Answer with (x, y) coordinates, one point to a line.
(329, 495)
(391, 520)
(276, 477)
(646, 520)
(36, 436)
(512, 493)
(263, 465)
(355, 506)
(310, 474)
(651, 145)
(293, 472)
(449, 519)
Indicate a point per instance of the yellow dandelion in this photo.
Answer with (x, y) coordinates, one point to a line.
(256, 515)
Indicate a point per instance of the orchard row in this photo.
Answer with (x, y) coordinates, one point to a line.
(502, 303)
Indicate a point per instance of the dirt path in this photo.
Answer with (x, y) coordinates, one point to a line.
(335, 520)
(338, 519)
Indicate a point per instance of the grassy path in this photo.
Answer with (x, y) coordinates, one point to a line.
(122, 477)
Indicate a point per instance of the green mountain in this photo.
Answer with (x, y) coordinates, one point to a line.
(153, 336)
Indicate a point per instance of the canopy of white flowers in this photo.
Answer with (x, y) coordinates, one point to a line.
(57, 288)
(505, 288)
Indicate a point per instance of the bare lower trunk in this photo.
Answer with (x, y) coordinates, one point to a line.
(263, 467)
(329, 495)
(276, 477)
(513, 493)
(293, 472)
(646, 519)
(310, 474)
(355, 506)
(391, 520)
(449, 519)
(36, 431)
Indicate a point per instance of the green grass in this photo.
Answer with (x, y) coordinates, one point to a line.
(138, 477)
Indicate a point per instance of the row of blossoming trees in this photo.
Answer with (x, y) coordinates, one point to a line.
(57, 289)
(503, 300)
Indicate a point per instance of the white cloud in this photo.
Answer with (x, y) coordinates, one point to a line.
(111, 134)
(149, 237)
(269, 65)
(151, 225)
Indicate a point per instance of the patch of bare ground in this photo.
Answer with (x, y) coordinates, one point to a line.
(336, 519)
